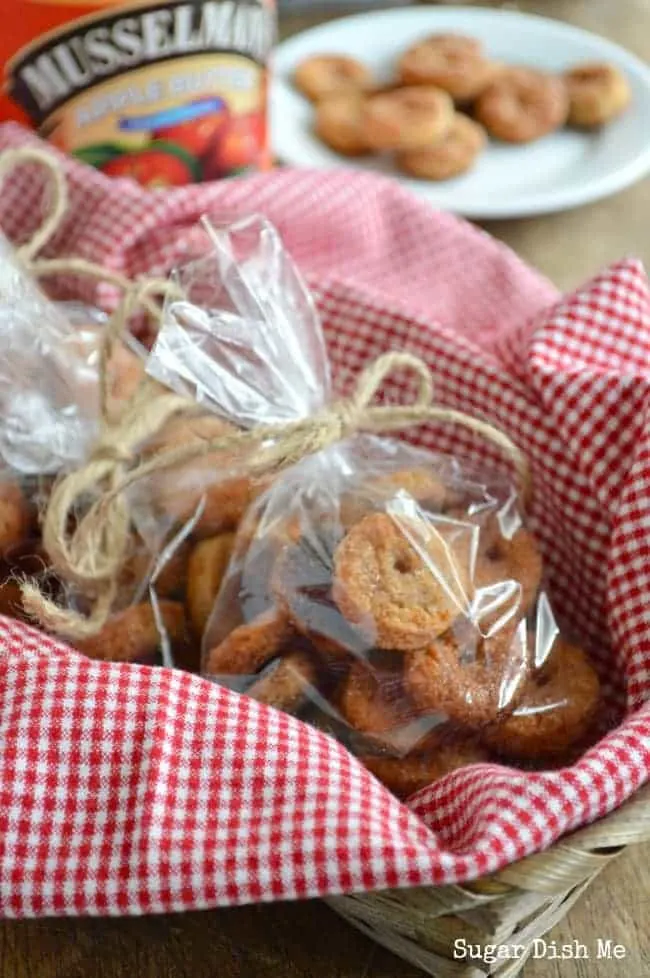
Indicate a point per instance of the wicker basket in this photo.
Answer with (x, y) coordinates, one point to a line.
(516, 906)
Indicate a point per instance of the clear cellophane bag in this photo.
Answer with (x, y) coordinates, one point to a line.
(396, 599)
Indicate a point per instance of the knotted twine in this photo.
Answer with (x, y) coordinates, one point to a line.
(88, 551)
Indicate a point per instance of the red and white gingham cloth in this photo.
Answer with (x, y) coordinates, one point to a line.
(126, 790)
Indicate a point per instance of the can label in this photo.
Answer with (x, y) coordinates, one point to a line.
(168, 93)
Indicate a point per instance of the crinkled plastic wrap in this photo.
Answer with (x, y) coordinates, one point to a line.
(49, 392)
(241, 340)
(46, 424)
(245, 340)
(395, 598)
(49, 413)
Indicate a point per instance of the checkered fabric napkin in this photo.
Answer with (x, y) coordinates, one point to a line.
(125, 789)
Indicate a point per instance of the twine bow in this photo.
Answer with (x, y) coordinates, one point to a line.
(86, 526)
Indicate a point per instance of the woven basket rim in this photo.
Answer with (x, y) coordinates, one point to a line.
(577, 855)
(515, 905)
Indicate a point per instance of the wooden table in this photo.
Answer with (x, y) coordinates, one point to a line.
(307, 940)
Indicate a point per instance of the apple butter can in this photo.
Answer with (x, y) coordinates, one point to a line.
(165, 93)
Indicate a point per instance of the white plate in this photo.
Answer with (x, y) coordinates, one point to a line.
(561, 171)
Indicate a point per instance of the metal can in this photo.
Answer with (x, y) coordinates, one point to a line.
(166, 93)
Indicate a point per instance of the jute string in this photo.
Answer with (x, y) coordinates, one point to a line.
(86, 526)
